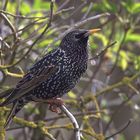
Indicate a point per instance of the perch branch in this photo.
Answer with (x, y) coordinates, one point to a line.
(73, 120)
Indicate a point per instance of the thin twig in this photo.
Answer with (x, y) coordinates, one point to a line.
(4, 5)
(134, 89)
(103, 51)
(22, 16)
(101, 54)
(40, 36)
(10, 25)
(78, 24)
(5, 43)
(63, 4)
(122, 129)
(119, 84)
(63, 116)
(64, 10)
(78, 9)
(37, 17)
(35, 21)
(52, 127)
(118, 52)
(73, 120)
(70, 116)
(88, 11)
(23, 29)
(119, 108)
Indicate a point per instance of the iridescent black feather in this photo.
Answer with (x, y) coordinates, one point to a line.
(54, 75)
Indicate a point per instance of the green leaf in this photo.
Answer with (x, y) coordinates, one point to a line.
(110, 6)
(123, 63)
(46, 5)
(137, 62)
(92, 45)
(72, 95)
(25, 8)
(37, 4)
(131, 7)
(102, 38)
(57, 43)
(127, 4)
(11, 7)
(134, 37)
(136, 7)
(97, 8)
(45, 43)
(105, 6)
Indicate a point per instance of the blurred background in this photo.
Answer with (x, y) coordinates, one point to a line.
(108, 96)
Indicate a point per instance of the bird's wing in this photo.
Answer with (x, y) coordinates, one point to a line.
(36, 80)
(39, 73)
(40, 76)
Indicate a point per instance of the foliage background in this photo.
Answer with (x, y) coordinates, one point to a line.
(108, 94)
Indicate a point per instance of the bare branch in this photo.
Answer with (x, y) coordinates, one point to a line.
(9, 24)
(118, 52)
(78, 24)
(88, 11)
(73, 120)
(103, 51)
(40, 36)
(122, 129)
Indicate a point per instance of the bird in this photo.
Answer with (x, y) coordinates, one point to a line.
(52, 76)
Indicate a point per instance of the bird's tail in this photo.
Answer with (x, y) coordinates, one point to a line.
(6, 93)
(17, 106)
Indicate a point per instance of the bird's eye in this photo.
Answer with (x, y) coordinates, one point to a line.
(77, 36)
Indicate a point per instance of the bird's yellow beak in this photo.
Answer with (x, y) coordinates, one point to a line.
(92, 31)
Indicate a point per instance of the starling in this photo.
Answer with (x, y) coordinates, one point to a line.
(52, 76)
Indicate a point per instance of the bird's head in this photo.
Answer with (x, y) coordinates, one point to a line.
(76, 39)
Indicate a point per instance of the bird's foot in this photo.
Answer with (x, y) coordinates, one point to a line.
(54, 104)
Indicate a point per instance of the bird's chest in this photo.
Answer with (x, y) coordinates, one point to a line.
(75, 63)
(73, 70)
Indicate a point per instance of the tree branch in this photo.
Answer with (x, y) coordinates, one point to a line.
(103, 51)
(78, 24)
(39, 37)
(122, 129)
(73, 120)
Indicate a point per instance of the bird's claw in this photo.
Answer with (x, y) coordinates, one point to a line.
(54, 104)
(54, 108)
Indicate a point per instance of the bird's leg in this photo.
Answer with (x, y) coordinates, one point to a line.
(54, 104)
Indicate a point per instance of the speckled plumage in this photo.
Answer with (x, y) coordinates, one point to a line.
(54, 75)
